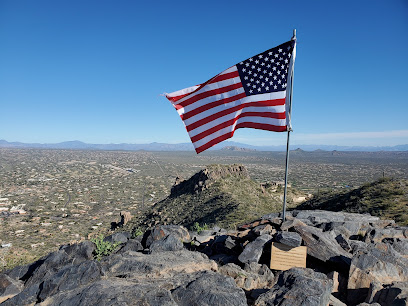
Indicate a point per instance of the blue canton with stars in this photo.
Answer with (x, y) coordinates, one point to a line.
(267, 71)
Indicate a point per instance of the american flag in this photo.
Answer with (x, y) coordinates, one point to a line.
(250, 94)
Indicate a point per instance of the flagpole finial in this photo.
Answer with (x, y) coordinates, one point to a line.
(294, 34)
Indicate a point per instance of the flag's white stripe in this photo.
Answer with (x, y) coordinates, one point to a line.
(182, 92)
(228, 129)
(212, 86)
(230, 69)
(210, 99)
(192, 88)
(267, 109)
(254, 98)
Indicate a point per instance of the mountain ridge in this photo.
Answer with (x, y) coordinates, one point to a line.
(157, 146)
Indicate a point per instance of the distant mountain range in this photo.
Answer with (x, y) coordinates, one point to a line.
(156, 146)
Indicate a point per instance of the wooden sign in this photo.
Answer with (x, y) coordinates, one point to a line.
(284, 257)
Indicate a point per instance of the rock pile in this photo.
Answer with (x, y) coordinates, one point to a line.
(352, 259)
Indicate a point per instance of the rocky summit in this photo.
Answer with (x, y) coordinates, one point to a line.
(352, 259)
(219, 194)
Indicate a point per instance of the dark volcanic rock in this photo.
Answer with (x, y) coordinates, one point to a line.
(322, 216)
(210, 289)
(68, 278)
(9, 287)
(343, 242)
(289, 238)
(288, 224)
(50, 264)
(114, 292)
(263, 229)
(255, 276)
(375, 265)
(132, 245)
(223, 244)
(346, 228)
(394, 294)
(378, 234)
(224, 259)
(298, 286)
(253, 250)
(324, 247)
(399, 245)
(161, 231)
(163, 264)
(26, 297)
(121, 237)
(168, 243)
(374, 270)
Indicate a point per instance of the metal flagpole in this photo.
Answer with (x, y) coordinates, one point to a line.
(287, 142)
(286, 179)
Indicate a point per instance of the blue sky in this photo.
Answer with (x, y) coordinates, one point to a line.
(94, 70)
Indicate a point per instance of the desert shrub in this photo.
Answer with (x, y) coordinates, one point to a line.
(103, 247)
(198, 228)
(136, 232)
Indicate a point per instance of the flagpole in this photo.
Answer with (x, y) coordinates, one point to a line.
(287, 142)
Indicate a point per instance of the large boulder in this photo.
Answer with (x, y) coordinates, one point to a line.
(156, 265)
(322, 216)
(53, 262)
(68, 278)
(375, 265)
(114, 291)
(323, 246)
(298, 286)
(201, 288)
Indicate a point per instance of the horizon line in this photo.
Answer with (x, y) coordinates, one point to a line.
(226, 143)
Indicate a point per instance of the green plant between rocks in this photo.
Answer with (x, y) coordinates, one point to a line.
(136, 232)
(103, 247)
(198, 228)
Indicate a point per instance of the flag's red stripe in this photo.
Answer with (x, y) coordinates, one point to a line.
(253, 125)
(233, 120)
(211, 105)
(218, 78)
(262, 126)
(210, 93)
(223, 77)
(214, 142)
(175, 98)
(198, 123)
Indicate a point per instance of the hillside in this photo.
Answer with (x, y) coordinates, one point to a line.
(386, 198)
(220, 194)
